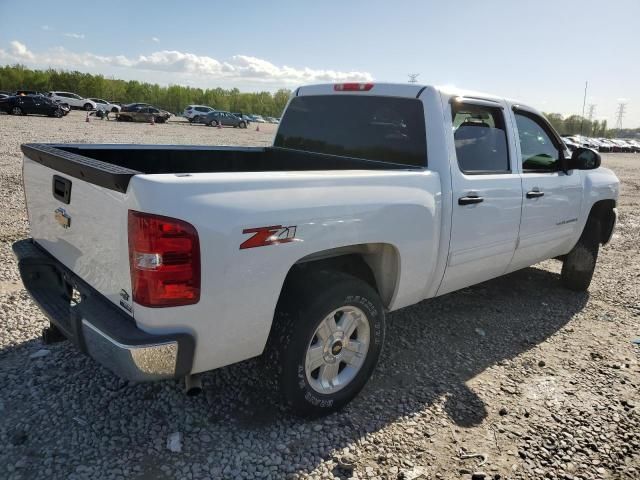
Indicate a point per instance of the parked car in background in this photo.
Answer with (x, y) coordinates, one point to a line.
(244, 117)
(134, 107)
(143, 114)
(635, 144)
(31, 104)
(4, 95)
(226, 119)
(570, 143)
(73, 100)
(29, 92)
(271, 120)
(608, 143)
(257, 118)
(106, 106)
(193, 111)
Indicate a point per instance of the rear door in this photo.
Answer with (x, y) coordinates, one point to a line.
(487, 195)
(551, 198)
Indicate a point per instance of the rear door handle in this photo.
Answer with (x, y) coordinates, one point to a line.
(470, 200)
(535, 194)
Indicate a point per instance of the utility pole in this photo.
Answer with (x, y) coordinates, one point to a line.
(584, 102)
(413, 77)
(592, 110)
(620, 115)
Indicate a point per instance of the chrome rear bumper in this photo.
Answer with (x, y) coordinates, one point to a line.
(96, 326)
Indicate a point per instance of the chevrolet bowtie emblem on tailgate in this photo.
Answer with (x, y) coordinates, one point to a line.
(263, 236)
(62, 217)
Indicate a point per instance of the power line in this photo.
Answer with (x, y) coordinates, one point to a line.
(413, 77)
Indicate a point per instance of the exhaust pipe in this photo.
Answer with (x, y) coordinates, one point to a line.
(192, 385)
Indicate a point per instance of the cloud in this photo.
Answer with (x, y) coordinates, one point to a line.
(183, 67)
(20, 50)
(46, 27)
(155, 39)
(74, 35)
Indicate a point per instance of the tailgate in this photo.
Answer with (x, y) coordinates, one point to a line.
(77, 210)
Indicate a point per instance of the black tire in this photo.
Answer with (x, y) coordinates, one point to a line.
(16, 111)
(114, 110)
(87, 107)
(213, 123)
(580, 263)
(58, 113)
(306, 302)
(242, 124)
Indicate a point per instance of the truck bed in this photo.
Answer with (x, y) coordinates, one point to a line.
(112, 166)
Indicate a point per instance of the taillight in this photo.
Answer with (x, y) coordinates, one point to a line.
(164, 257)
(353, 87)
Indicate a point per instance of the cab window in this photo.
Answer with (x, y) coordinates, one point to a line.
(537, 149)
(480, 137)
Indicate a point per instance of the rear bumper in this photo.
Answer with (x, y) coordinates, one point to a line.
(96, 326)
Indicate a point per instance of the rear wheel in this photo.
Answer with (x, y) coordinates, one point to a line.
(213, 123)
(88, 106)
(16, 111)
(326, 340)
(579, 264)
(114, 110)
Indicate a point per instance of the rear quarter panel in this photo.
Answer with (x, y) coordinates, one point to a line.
(329, 209)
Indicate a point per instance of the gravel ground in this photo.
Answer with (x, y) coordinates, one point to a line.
(514, 378)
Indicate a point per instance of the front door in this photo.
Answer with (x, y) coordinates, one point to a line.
(487, 195)
(551, 197)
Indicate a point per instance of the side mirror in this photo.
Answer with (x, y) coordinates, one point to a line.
(584, 159)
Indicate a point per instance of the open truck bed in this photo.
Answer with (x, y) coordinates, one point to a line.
(112, 166)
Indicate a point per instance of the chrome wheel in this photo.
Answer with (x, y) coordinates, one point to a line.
(337, 349)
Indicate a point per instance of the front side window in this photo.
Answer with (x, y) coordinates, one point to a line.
(538, 151)
(480, 138)
(387, 129)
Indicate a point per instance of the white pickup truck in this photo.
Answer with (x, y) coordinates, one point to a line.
(166, 261)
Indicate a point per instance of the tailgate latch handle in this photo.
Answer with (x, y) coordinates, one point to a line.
(61, 189)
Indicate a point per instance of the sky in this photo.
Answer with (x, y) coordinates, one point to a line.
(540, 52)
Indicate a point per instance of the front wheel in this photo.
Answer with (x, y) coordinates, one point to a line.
(213, 123)
(579, 264)
(326, 340)
(58, 113)
(242, 124)
(16, 111)
(88, 107)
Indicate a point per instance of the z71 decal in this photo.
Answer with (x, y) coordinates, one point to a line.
(263, 236)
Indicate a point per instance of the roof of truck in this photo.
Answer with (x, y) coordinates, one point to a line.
(397, 90)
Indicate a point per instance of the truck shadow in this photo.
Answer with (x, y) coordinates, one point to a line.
(432, 350)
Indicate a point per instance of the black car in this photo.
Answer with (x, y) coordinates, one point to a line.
(31, 104)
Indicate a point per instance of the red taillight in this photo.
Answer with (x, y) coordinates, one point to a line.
(164, 256)
(353, 87)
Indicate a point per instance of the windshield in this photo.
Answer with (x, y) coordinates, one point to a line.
(389, 129)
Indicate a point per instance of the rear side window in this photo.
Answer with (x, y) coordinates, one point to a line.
(388, 129)
(481, 139)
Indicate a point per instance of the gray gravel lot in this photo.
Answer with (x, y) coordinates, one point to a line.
(514, 378)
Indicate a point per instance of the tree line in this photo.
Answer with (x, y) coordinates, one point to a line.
(173, 98)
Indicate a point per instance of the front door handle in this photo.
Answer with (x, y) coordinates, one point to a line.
(470, 200)
(535, 194)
